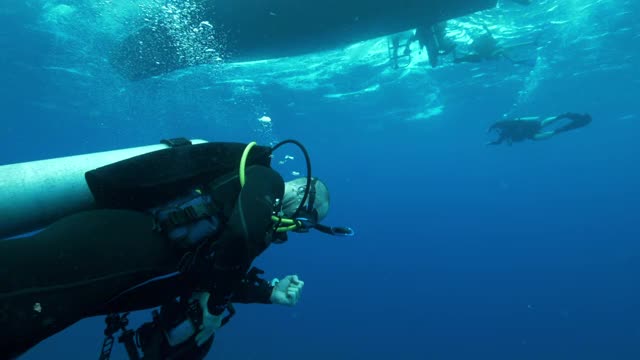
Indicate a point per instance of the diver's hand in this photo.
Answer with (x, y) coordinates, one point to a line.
(287, 291)
(210, 322)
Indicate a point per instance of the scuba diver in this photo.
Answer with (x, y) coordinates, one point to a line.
(531, 128)
(430, 37)
(486, 47)
(433, 38)
(176, 228)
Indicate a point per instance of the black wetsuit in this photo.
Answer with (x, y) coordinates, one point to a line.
(433, 38)
(515, 130)
(519, 130)
(86, 264)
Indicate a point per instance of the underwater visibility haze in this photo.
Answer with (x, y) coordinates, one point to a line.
(524, 251)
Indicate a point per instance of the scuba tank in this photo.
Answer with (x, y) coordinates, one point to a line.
(35, 194)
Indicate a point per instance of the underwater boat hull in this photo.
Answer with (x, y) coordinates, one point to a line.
(265, 29)
(37, 193)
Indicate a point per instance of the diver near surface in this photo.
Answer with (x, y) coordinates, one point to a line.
(432, 38)
(180, 223)
(521, 129)
(486, 47)
(249, 30)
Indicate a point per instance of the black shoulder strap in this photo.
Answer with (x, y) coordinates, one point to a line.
(188, 215)
(175, 142)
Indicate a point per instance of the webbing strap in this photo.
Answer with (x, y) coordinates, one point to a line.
(189, 215)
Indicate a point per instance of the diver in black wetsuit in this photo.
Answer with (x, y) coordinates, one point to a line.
(433, 38)
(180, 223)
(521, 129)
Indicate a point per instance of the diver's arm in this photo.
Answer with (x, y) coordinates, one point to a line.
(253, 291)
(286, 291)
(245, 235)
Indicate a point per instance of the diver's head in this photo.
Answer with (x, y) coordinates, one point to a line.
(318, 199)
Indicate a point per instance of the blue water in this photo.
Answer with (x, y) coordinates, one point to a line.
(462, 251)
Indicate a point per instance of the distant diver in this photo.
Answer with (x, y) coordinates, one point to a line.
(521, 129)
(434, 39)
(486, 47)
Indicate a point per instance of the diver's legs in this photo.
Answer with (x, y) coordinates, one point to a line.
(410, 40)
(544, 135)
(431, 43)
(577, 121)
(550, 120)
(498, 141)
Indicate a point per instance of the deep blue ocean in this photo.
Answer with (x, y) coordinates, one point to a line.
(462, 250)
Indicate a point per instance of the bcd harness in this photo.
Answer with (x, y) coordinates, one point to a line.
(191, 219)
(188, 220)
